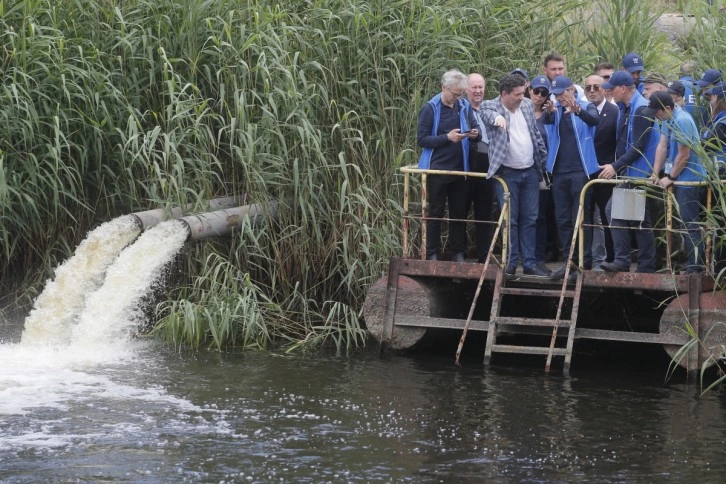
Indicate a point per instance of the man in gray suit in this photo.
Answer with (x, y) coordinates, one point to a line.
(517, 154)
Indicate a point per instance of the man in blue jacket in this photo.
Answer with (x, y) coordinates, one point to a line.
(446, 125)
(571, 160)
(676, 154)
(634, 155)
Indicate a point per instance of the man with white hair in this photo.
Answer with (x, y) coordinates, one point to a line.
(446, 126)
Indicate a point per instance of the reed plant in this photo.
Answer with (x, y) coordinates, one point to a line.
(309, 107)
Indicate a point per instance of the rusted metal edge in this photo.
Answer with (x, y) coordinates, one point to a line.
(667, 282)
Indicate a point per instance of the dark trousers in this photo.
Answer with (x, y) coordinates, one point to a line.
(546, 228)
(601, 195)
(566, 189)
(441, 189)
(481, 193)
(689, 210)
(645, 240)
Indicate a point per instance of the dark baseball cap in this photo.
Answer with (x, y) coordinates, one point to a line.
(619, 78)
(540, 81)
(560, 84)
(658, 101)
(709, 77)
(676, 87)
(521, 72)
(633, 62)
(719, 90)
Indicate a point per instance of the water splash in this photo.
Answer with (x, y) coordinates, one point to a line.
(112, 312)
(56, 310)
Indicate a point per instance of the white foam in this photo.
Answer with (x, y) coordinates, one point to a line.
(112, 312)
(57, 308)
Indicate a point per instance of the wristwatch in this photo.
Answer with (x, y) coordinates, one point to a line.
(670, 177)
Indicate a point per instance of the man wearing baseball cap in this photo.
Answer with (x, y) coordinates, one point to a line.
(678, 136)
(633, 63)
(634, 154)
(709, 79)
(571, 160)
(678, 92)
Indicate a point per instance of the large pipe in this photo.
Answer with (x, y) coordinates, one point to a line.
(149, 218)
(223, 222)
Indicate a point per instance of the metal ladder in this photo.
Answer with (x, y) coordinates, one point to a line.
(512, 322)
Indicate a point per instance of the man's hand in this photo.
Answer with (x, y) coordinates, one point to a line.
(500, 122)
(608, 172)
(455, 135)
(474, 133)
(664, 182)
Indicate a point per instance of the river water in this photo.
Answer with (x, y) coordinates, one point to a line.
(82, 399)
(142, 412)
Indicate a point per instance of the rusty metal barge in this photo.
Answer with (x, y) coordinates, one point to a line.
(535, 316)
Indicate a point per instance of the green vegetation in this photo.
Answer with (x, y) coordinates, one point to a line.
(112, 107)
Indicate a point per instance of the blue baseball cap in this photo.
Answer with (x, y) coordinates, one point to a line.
(719, 90)
(619, 78)
(521, 72)
(560, 84)
(633, 62)
(711, 76)
(540, 81)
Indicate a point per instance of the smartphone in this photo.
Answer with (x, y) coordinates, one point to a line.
(465, 132)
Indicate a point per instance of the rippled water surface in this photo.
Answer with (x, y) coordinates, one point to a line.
(145, 413)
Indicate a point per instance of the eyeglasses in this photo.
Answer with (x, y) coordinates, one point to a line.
(606, 77)
(592, 88)
(541, 92)
(455, 94)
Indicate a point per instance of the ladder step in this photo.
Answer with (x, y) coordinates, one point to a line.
(529, 350)
(564, 323)
(521, 291)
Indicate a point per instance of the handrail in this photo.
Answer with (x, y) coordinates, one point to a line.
(579, 223)
(413, 169)
(644, 182)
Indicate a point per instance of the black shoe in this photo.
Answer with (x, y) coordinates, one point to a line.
(433, 257)
(458, 257)
(613, 267)
(559, 273)
(537, 272)
(543, 267)
(510, 270)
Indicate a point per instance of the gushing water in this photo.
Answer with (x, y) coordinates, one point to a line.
(58, 307)
(78, 334)
(112, 312)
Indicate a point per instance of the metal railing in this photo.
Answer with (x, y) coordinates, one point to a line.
(579, 227)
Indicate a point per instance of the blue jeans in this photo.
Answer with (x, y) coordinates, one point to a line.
(689, 209)
(566, 188)
(523, 208)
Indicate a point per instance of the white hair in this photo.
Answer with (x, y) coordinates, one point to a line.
(454, 78)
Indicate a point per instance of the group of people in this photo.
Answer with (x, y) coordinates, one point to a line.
(547, 137)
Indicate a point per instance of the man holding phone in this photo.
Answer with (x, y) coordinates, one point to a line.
(571, 160)
(446, 126)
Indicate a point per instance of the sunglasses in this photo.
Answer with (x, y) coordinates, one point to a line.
(541, 92)
(606, 77)
(592, 88)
